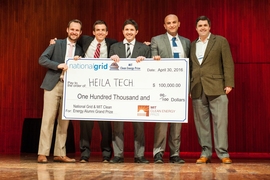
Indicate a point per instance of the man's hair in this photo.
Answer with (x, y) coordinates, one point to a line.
(203, 18)
(100, 22)
(75, 21)
(132, 22)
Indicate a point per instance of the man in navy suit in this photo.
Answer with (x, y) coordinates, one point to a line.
(53, 58)
(139, 51)
(89, 46)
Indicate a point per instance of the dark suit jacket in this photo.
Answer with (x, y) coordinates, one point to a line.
(51, 58)
(139, 49)
(85, 42)
(216, 71)
(160, 46)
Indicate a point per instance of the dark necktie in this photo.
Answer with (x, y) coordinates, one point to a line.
(97, 52)
(128, 50)
(175, 54)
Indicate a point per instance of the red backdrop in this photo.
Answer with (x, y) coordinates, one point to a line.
(27, 27)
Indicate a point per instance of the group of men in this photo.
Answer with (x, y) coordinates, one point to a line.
(211, 79)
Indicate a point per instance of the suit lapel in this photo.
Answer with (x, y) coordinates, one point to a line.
(166, 41)
(136, 49)
(122, 51)
(64, 49)
(193, 52)
(184, 45)
(77, 52)
(108, 44)
(87, 43)
(210, 45)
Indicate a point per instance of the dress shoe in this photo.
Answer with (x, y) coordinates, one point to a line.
(84, 159)
(203, 160)
(106, 159)
(117, 159)
(176, 159)
(141, 160)
(226, 160)
(158, 158)
(42, 159)
(63, 159)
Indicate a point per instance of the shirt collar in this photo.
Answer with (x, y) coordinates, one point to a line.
(70, 43)
(132, 42)
(199, 39)
(96, 42)
(170, 36)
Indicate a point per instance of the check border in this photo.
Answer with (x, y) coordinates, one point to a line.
(171, 61)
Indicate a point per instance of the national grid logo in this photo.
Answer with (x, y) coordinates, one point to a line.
(93, 66)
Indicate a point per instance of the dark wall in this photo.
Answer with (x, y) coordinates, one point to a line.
(27, 27)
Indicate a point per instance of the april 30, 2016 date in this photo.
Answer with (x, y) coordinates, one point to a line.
(167, 85)
(170, 69)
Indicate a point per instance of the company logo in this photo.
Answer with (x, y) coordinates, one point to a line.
(143, 110)
(94, 66)
(114, 66)
(130, 67)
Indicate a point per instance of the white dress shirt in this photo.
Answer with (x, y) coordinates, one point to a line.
(92, 48)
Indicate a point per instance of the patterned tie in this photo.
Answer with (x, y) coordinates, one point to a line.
(128, 50)
(97, 52)
(175, 55)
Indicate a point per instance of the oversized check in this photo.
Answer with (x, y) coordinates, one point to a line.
(148, 91)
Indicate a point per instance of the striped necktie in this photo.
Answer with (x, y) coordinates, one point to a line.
(128, 50)
(97, 52)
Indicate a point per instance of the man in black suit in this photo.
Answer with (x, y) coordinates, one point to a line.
(53, 58)
(129, 48)
(89, 45)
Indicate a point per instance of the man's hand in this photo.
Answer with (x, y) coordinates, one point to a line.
(147, 43)
(140, 58)
(77, 58)
(115, 58)
(62, 66)
(227, 89)
(157, 58)
(52, 41)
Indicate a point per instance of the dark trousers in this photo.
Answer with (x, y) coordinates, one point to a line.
(86, 128)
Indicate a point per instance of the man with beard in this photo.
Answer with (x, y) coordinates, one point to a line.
(53, 58)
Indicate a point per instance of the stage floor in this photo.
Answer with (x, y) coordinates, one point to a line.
(25, 167)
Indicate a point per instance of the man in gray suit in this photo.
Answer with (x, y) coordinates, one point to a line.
(129, 48)
(169, 45)
(212, 78)
(54, 58)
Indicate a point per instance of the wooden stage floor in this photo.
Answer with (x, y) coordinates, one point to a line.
(25, 167)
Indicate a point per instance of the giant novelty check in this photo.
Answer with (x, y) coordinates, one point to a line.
(148, 91)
